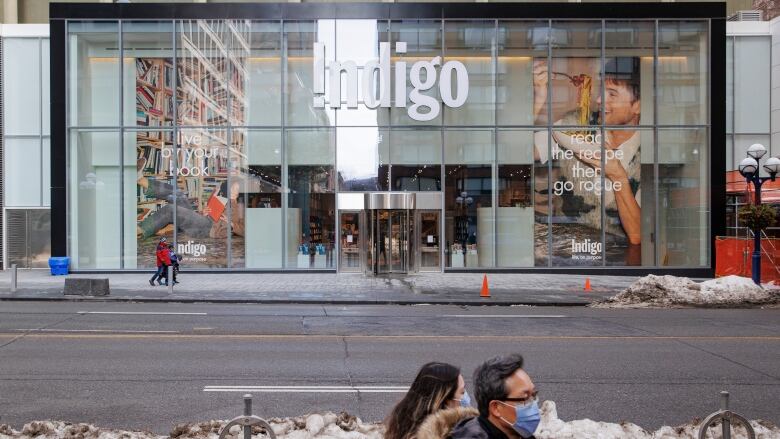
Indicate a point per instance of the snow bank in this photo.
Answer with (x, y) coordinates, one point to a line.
(671, 291)
(345, 426)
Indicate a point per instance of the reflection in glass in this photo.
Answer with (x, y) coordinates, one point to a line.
(519, 43)
(148, 73)
(471, 42)
(363, 51)
(299, 39)
(363, 159)
(202, 82)
(684, 209)
(468, 193)
(93, 66)
(682, 72)
(415, 156)
(93, 200)
(263, 73)
(515, 211)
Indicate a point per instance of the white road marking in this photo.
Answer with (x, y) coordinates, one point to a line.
(144, 313)
(107, 331)
(507, 316)
(308, 389)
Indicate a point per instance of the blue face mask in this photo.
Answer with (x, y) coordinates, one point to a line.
(527, 419)
(465, 401)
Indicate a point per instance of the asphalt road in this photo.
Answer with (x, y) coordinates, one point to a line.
(147, 366)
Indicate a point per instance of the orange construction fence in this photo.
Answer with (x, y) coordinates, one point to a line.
(734, 256)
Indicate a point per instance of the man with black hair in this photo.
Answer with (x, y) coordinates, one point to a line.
(507, 401)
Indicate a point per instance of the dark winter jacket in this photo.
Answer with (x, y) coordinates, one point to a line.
(477, 428)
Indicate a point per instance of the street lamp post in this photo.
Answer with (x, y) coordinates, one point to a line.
(748, 167)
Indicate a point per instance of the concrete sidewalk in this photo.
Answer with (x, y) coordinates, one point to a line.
(331, 288)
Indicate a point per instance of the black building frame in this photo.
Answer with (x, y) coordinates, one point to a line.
(715, 12)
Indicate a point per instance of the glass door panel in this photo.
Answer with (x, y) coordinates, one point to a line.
(350, 242)
(428, 242)
(391, 241)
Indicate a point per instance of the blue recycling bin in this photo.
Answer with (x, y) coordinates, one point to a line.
(59, 265)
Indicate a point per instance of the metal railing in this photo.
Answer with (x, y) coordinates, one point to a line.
(247, 421)
(726, 417)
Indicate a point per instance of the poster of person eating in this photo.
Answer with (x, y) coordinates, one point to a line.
(588, 167)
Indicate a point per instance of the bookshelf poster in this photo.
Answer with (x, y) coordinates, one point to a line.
(578, 184)
(188, 183)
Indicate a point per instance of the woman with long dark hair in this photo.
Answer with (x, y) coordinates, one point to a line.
(438, 386)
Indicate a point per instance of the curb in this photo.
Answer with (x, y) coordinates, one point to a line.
(293, 301)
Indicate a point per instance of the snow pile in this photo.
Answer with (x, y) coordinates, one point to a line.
(345, 426)
(553, 428)
(670, 291)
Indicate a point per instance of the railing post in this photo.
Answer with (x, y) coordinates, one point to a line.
(726, 423)
(169, 280)
(13, 278)
(247, 412)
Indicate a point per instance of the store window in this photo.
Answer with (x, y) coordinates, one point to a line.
(299, 39)
(364, 52)
(311, 202)
(520, 46)
(203, 69)
(515, 219)
(148, 76)
(415, 156)
(363, 157)
(261, 187)
(682, 73)
(468, 198)
(471, 43)
(150, 184)
(575, 99)
(93, 73)
(93, 199)
(684, 192)
(261, 50)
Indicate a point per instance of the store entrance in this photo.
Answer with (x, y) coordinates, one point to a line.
(389, 241)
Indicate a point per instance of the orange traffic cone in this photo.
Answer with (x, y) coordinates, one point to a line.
(587, 284)
(485, 290)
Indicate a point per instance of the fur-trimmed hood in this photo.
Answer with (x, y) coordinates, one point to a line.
(439, 425)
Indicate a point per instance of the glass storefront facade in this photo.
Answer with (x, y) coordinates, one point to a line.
(251, 144)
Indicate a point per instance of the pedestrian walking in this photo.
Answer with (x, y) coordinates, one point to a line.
(175, 262)
(163, 261)
(507, 402)
(438, 386)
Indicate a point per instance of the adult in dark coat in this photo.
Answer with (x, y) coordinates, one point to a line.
(507, 402)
